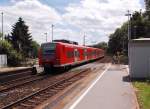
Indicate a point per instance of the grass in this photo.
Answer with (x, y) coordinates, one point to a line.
(143, 94)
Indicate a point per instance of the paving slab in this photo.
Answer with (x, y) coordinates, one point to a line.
(111, 90)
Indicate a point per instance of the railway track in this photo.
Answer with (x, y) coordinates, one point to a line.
(23, 81)
(23, 92)
(32, 100)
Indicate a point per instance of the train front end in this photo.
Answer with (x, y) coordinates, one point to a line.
(47, 56)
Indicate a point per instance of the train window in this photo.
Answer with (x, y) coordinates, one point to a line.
(76, 53)
(48, 48)
(85, 52)
(48, 51)
(69, 54)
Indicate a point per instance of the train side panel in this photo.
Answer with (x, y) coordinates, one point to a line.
(63, 55)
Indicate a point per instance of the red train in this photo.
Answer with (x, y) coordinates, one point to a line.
(58, 54)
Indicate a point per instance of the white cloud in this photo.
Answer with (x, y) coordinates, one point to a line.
(99, 15)
(97, 18)
(38, 16)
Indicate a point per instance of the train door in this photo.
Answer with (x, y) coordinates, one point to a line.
(75, 55)
(85, 54)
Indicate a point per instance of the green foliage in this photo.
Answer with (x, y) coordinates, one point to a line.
(21, 38)
(118, 41)
(140, 27)
(147, 4)
(143, 89)
(120, 58)
(102, 45)
(14, 57)
(35, 48)
(0, 35)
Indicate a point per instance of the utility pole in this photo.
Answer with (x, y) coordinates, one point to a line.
(52, 32)
(46, 36)
(84, 39)
(2, 27)
(129, 24)
(129, 33)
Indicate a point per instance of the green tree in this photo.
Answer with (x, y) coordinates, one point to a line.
(138, 27)
(21, 38)
(102, 45)
(14, 58)
(0, 35)
(147, 4)
(118, 41)
(147, 18)
(35, 49)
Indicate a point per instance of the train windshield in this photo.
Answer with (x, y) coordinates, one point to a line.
(48, 48)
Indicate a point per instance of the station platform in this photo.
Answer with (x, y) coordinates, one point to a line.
(111, 90)
(9, 69)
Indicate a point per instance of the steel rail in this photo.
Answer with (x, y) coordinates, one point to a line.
(40, 91)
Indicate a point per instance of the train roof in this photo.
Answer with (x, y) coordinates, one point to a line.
(73, 45)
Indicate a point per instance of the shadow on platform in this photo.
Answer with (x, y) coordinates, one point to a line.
(129, 79)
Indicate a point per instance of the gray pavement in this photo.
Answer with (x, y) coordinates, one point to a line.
(111, 91)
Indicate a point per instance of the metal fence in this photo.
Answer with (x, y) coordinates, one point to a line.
(3, 60)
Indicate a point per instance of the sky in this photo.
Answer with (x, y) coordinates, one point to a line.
(72, 19)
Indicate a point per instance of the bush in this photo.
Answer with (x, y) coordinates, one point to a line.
(120, 58)
(14, 57)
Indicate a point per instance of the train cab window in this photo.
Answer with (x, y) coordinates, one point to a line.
(48, 48)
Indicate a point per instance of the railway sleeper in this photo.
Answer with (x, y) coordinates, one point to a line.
(53, 90)
(59, 88)
(48, 92)
(43, 94)
(33, 101)
(37, 97)
(26, 105)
